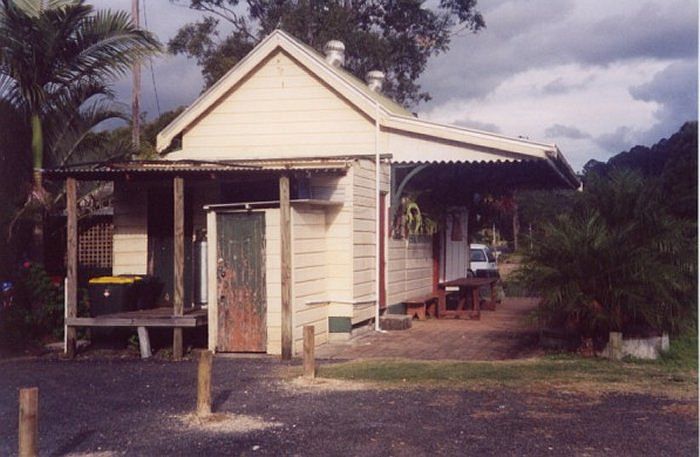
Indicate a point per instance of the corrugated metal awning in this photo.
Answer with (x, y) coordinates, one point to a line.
(101, 171)
(523, 170)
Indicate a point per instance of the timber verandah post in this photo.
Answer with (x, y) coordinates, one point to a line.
(286, 266)
(71, 262)
(178, 260)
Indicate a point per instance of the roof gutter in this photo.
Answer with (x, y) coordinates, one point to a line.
(572, 180)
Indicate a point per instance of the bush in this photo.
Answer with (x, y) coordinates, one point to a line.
(15, 322)
(619, 261)
(33, 311)
(45, 299)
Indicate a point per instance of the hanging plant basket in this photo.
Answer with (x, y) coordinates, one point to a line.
(411, 221)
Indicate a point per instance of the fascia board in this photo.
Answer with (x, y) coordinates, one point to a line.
(485, 140)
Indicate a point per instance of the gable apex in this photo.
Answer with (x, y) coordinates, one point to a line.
(353, 89)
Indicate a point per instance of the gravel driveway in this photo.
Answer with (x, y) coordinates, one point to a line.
(130, 407)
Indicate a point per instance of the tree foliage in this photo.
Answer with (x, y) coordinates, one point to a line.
(56, 58)
(397, 37)
(117, 143)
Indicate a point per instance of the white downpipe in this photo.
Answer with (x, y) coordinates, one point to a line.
(377, 226)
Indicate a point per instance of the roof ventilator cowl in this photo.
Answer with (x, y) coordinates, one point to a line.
(335, 53)
(375, 80)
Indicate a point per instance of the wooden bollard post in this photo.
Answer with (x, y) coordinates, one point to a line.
(204, 383)
(309, 352)
(29, 422)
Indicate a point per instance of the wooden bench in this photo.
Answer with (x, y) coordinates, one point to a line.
(422, 306)
(141, 320)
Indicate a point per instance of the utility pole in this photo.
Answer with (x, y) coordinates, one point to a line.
(136, 87)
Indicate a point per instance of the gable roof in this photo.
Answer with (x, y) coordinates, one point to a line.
(391, 116)
(351, 87)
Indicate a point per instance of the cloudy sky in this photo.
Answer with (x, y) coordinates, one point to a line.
(593, 76)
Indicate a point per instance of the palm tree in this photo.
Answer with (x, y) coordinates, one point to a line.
(54, 52)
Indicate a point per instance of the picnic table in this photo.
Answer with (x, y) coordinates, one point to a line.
(466, 287)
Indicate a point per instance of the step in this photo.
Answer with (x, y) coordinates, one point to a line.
(395, 322)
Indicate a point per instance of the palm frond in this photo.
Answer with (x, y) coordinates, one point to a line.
(619, 259)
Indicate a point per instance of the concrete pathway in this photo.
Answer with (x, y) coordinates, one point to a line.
(506, 333)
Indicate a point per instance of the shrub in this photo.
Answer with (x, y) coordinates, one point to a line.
(42, 298)
(619, 261)
(33, 311)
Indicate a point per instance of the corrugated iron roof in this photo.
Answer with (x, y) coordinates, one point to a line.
(107, 170)
(464, 161)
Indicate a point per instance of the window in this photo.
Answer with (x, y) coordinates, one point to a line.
(477, 255)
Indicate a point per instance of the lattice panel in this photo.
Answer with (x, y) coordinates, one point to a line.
(95, 245)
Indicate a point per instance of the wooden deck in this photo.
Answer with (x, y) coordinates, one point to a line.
(157, 317)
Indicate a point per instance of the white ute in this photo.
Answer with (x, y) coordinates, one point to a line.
(482, 261)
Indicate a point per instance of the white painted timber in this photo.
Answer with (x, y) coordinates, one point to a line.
(409, 268)
(130, 239)
(279, 111)
(454, 260)
(309, 273)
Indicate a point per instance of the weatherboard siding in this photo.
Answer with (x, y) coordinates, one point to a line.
(338, 246)
(130, 239)
(364, 236)
(273, 280)
(309, 273)
(281, 110)
(409, 269)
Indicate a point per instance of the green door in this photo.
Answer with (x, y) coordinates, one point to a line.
(240, 272)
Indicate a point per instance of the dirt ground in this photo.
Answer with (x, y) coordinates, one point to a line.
(110, 407)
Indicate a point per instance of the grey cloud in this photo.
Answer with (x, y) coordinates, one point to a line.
(663, 31)
(675, 89)
(477, 125)
(549, 35)
(514, 19)
(565, 131)
(178, 82)
(620, 140)
(178, 79)
(559, 86)
(162, 17)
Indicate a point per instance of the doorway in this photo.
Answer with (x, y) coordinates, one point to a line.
(241, 282)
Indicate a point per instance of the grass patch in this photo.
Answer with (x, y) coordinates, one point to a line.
(683, 353)
(667, 377)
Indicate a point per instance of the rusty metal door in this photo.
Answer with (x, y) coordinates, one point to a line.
(240, 272)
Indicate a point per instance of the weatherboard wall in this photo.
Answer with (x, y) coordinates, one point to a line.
(280, 110)
(409, 269)
(309, 273)
(130, 239)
